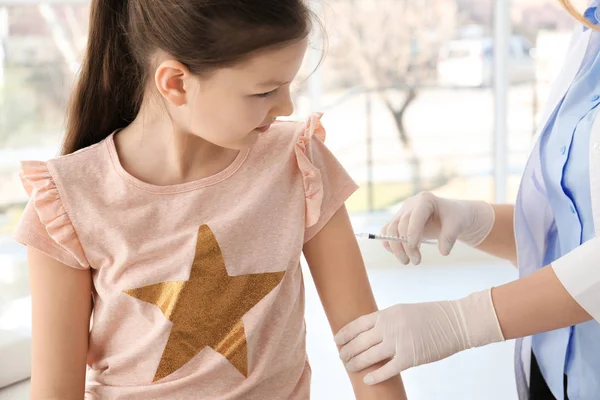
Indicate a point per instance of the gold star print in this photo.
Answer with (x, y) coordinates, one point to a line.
(207, 309)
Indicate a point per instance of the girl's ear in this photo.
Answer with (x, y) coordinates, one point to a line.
(170, 78)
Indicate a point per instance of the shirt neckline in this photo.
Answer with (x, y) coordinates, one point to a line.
(177, 188)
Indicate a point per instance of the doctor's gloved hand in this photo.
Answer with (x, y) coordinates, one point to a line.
(426, 216)
(416, 334)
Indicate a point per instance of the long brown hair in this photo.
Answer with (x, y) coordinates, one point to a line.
(577, 15)
(201, 34)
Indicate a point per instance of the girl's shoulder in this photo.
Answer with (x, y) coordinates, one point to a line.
(286, 137)
(62, 177)
(85, 158)
(77, 163)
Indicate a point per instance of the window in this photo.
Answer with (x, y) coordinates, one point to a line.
(40, 43)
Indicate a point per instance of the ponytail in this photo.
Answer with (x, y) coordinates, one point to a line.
(107, 94)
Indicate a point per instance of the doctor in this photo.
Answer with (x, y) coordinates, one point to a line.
(551, 233)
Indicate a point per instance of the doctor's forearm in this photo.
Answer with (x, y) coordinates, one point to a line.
(534, 304)
(500, 242)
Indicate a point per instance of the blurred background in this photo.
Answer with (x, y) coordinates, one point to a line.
(416, 96)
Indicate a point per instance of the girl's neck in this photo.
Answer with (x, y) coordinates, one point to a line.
(154, 152)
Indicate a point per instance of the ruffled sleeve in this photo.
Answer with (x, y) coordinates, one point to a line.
(45, 224)
(311, 175)
(326, 184)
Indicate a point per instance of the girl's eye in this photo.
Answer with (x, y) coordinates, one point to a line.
(267, 94)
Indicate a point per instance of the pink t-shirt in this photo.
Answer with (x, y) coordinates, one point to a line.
(198, 290)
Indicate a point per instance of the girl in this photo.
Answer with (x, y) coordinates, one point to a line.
(183, 207)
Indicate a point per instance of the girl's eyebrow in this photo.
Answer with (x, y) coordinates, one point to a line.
(273, 82)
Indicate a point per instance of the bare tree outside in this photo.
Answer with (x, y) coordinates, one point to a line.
(390, 47)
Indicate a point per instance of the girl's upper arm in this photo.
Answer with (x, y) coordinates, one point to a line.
(341, 280)
(61, 308)
(337, 268)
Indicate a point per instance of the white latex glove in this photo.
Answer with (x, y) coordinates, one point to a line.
(416, 334)
(426, 216)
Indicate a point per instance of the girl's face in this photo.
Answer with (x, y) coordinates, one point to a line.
(233, 105)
